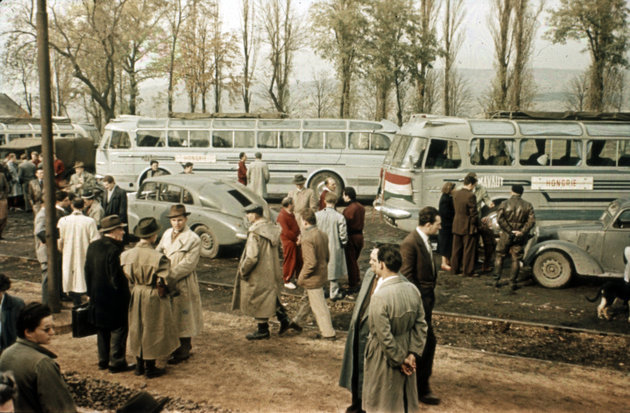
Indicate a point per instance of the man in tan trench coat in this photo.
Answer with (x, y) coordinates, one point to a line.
(259, 276)
(398, 332)
(152, 330)
(182, 247)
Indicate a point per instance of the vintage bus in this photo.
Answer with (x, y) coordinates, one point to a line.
(349, 151)
(571, 165)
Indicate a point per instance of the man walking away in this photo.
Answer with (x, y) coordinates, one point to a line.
(76, 232)
(355, 219)
(516, 218)
(40, 386)
(258, 176)
(290, 237)
(108, 290)
(398, 332)
(465, 224)
(183, 247)
(259, 276)
(313, 276)
(152, 330)
(333, 224)
(353, 356)
(241, 174)
(419, 268)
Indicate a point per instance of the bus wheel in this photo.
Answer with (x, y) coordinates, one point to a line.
(552, 269)
(319, 181)
(209, 244)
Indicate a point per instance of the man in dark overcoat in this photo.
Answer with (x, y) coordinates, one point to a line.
(419, 268)
(465, 228)
(353, 357)
(114, 199)
(108, 290)
(9, 310)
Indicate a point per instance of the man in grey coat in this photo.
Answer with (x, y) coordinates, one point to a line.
(398, 331)
(258, 176)
(333, 224)
(352, 365)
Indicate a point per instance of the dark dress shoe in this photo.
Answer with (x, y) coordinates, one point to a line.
(258, 335)
(429, 398)
(178, 359)
(102, 365)
(320, 337)
(154, 372)
(122, 368)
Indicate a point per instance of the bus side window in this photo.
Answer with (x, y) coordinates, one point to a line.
(359, 140)
(119, 140)
(566, 152)
(2, 140)
(624, 153)
(335, 140)
(313, 140)
(268, 139)
(222, 139)
(150, 138)
(601, 152)
(379, 142)
(289, 139)
(443, 154)
(177, 138)
(199, 139)
(243, 139)
(535, 152)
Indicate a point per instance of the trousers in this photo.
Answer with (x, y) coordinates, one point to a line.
(313, 300)
(425, 365)
(112, 346)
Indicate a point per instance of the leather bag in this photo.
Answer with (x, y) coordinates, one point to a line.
(81, 325)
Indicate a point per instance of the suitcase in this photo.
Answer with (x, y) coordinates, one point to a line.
(81, 325)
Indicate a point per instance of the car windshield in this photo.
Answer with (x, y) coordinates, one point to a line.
(609, 213)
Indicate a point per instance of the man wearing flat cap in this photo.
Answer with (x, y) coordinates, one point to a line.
(93, 208)
(152, 329)
(516, 218)
(182, 247)
(302, 197)
(109, 295)
(81, 180)
(259, 276)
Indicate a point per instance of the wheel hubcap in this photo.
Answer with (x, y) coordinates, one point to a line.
(552, 269)
(206, 241)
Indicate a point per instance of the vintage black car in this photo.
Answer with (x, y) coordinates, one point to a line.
(558, 252)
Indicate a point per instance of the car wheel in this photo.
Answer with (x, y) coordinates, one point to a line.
(209, 243)
(319, 181)
(552, 269)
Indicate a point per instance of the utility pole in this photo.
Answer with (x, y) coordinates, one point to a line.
(43, 63)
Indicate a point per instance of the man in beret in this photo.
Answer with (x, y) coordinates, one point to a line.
(109, 294)
(182, 247)
(516, 218)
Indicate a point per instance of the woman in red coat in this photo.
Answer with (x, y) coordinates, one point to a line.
(290, 237)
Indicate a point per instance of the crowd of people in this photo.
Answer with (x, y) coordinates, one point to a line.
(145, 299)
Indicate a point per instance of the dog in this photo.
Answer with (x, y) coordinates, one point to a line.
(609, 291)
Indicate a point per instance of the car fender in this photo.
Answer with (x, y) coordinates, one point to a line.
(583, 263)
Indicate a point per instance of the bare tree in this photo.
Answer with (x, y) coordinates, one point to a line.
(250, 41)
(338, 27)
(18, 62)
(501, 26)
(322, 96)
(614, 91)
(451, 43)
(460, 95)
(425, 51)
(282, 34)
(175, 17)
(223, 51)
(604, 25)
(576, 91)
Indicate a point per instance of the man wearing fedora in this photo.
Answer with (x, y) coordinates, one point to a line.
(182, 247)
(152, 329)
(108, 290)
(93, 208)
(302, 197)
(259, 276)
(81, 180)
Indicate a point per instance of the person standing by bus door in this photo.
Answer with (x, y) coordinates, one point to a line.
(465, 228)
(258, 176)
(486, 234)
(242, 169)
(516, 218)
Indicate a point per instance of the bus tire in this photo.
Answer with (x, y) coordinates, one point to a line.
(209, 242)
(552, 269)
(318, 182)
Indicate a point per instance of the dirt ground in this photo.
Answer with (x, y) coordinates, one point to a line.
(296, 373)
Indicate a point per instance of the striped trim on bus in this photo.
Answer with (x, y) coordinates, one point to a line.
(397, 186)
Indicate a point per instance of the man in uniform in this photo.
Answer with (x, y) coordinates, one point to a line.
(465, 224)
(398, 332)
(419, 268)
(152, 329)
(259, 276)
(182, 247)
(258, 176)
(302, 196)
(108, 290)
(516, 218)
(93, 208)
(81, 180)
(353, 356)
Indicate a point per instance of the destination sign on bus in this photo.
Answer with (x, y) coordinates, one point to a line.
(196, 158)
(579, 183)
